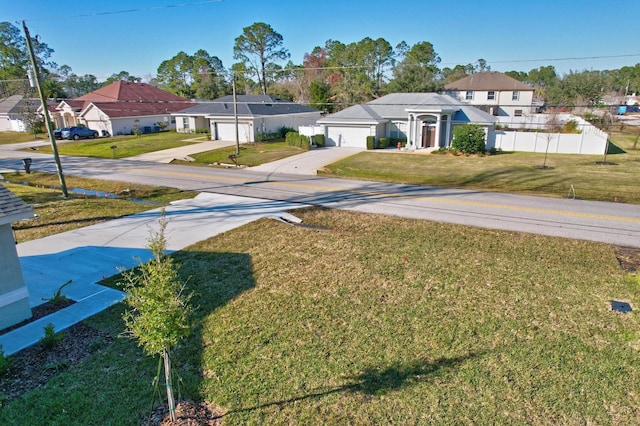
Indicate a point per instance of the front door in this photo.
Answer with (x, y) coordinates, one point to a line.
(428, 136)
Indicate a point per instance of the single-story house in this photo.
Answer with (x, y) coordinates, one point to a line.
(14, 296)
(13, 110)
(256, 114)
(120, 106)
(424, 120)
(495, 93)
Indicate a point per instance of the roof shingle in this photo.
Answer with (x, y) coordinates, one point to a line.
(487, 81)
(12, 208)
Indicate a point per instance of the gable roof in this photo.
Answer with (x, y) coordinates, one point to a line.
(124, 91)
(16, 104)
(248, 106)
(136, 109)
(488, 81)
(7, 105)
(12, 208)
(398, 106)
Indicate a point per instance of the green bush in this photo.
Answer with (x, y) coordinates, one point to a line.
(383, 143)
(202, 130)
(5, 362)
(284, 130)
(570, 126)
(261, 137)
(50, 338)
(296, 139)
(319, 140)
(394, 142)
(371, 141)
(468, 139)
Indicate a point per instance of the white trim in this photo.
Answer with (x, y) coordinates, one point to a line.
(14, 296)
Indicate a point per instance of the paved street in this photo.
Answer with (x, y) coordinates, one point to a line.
(613, 223)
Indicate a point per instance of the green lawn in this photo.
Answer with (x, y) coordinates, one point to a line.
(378, 320)
(252, 154)
(127, 146)
(56, 214)
(519, 172)
(16, 137)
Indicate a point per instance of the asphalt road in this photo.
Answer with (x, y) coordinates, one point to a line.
(613, 223)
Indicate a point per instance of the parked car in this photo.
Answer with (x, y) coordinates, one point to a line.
(57, 133)
(77, 132)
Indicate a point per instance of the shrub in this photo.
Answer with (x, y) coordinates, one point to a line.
(383, 143)
(319, 140)
(261, 137)
(50, 338)
(202, 130)
(5, 362)
(468, 139)
(394, 142)
(296, 139)
(371, 141)
(570, 126)
(284, 130)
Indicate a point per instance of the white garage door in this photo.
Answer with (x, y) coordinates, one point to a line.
(355, 137)
(227, 132)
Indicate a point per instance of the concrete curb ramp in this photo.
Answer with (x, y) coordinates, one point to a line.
(87, 255)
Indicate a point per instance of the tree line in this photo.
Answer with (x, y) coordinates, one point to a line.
(330, 77)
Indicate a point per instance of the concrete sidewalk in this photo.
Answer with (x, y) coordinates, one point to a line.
(87, 255)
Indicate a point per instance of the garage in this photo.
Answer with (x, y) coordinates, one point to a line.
(349, 136)
(225, 131)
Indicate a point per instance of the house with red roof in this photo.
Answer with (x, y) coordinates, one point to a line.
(120, 106)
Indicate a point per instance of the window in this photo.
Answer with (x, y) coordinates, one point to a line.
(491, 95)
(469, 95)
(518, 113)
(185, 123)
(515, 95)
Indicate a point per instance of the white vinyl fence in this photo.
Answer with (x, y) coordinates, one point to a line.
(591, 140)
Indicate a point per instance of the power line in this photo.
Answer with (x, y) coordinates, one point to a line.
(116, 12)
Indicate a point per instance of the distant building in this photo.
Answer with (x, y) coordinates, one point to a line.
(119, 106)
(495, 93)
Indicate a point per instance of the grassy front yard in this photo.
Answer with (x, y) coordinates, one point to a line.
(16, 137)
(508, 172)
(377, 320)
(252, 154)
(127, 146)
(55, 214)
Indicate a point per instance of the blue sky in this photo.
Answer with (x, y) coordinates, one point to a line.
(508, 34)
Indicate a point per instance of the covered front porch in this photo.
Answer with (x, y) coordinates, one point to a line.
(428, 129)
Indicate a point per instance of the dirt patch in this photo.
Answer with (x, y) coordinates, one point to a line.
(188, 413)
(628, 258)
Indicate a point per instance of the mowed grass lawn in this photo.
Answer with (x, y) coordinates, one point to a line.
(16, 137)
(579, 176)
(56, 214)
(127, 146)
(250, 154)
(378, 320)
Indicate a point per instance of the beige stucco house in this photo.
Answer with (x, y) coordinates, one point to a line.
(495, 93)
(14, 297)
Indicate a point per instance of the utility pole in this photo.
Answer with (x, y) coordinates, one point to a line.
(235, 111)
(47, 119)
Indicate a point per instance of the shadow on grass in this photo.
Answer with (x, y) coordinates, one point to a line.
(377, 381)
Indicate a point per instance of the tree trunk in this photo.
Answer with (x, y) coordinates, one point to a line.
(167, 379)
